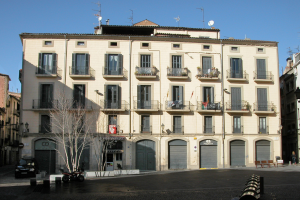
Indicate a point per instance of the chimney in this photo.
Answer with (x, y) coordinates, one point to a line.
(107, 22)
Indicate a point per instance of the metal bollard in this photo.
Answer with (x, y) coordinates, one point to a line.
(32, 182)
(46, 183)
(57, 180)
(252, 189)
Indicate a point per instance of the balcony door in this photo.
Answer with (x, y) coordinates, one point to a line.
(113, 64)
(262, 102)
(46, 96)
(112, 96)
(144, 96)
(79, 96)
(80, 64)
(261, 68)
(47, 63)
(206, 65)
(176, 66)
(236, 100)
(236, 68)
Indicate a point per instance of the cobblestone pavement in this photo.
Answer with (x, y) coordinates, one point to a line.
(280, 183)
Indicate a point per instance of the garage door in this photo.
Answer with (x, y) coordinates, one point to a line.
(237, 153)
(263, 150)
(145, 155)
(177, 154)
(208, 154)
(45, 155)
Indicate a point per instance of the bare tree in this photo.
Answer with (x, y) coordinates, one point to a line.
(72, 126)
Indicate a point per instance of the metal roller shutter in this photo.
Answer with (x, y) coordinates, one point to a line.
(177, 154)
(208, 158)
(237, 153)
(263, 150)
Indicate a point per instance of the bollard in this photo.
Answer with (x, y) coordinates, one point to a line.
(57, 180)
(32, 182)
(46, 183)
(262, 188)
(252, 189)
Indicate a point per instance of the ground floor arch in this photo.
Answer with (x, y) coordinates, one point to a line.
(45, 155)
(177, 154)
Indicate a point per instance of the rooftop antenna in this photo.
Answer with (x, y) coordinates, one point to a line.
(210, 23)
(177, 19)
(298, 49)
(98, 15)
(290, 52)
(202, 9)
(131, 17)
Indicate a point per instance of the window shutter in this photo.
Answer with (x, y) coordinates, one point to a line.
(240, 68)
(83, 95)
(231, 68)
(181, 94)
(211, 100)
(149, 96)
(87, 64)
(105, 96)
(206, 64)
(139, 96)
(51, 93)
(40, 60)
(73, 63)
(119, 96)
(120, 64)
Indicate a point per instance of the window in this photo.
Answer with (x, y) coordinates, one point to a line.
(145, 124)
(118, 156)
(206, 65)
(47, 63)
(144, 97)
(145, 44)
(117, 145)
(262, 99)
(112, 96)
(260, 50)
(46, 95)
(113, 44)
(177, 97)
(176, 62)
(236, 98)
(262, 125)
(236, 68)
(45, 126)
(79, 96)
(80, 124)
(208, 128)
(261, 69)
(292, 85)
(287, 87)
(80, 64)
(236, 49)
(113, 64)
(237, 124)
(112, 124)
(176, 46)
(80, 43)
(48, 43)
(145, 61)
(177, 128)
(208, 99)
(292, 106)
(206, 47)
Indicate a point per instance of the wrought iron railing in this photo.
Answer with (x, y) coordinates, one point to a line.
(111, 131)
(178, 129)
(213, 73)
(240, 106)
(119, 72)
(208, 129)
(47, 71)
(178, 105)
(177, 72)
(145, 71)
(265, 75)
(152, 104)
(82, 71)
(45, 128)
(109, 104)
(237, 75)
(208, 106)
(238, 129)
(263, 130)
(145, 129)
(264, 106)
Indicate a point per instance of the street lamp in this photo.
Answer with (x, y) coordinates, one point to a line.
(26, 127)
(162, 127)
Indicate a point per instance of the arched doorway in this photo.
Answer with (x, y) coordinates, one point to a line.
(237, 153)
(177, 154)
(208, 154)
(45, 155)
(145, 155)
(262, 150)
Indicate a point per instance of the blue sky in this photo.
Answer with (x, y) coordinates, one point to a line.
(272, 20)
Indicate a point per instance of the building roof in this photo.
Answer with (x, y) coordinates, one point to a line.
(145, 22)
(5, 75)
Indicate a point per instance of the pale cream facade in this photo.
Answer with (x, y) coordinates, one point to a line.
(192, 123)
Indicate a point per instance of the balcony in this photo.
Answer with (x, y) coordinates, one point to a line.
(238, 107)
(213, 75)
(48, 73)
(234, 76)
(209, 130)
(238, 130)
(15, 127)
(146, 130)
(118, 73)
(263, 77)
(44, 128)
(264, 108)
(71, 104)
(178, 106)
(177, 73)
(114, 106)
(39, 104)
(178, 130)
(81, 72)
(145, 72)
(146, 106)
(205, 107)
(263, 130)
(80, 104)
(16, 112)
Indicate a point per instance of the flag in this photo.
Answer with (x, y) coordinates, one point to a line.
(112, 129)
(168, 93)
(192, 94)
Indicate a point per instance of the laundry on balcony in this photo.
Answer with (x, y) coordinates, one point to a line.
(174, 103)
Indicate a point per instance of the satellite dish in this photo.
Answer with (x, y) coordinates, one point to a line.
(100, 18)
(211, 22)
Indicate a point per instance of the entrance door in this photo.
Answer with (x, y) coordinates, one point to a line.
(145, 155)
(110, 162)
(237, 153)
(262, 150)
(208, 154)
(177, 154)
(45, 155)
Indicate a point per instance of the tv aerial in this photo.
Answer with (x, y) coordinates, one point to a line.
(211, 22)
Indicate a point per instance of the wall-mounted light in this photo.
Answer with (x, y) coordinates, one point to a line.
(162, 127)
(26, 127)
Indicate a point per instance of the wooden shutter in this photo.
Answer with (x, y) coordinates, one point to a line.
(106, 58)
(261, 68)
(181, 94)
(240, 67)
(232, 70)
(139, 96)
(105, 96)
(86, 64)
(53, 70)
(40, 60)
(119, 96)
(236, 98)
(120, 64)
(206, 64)
(262, 99)
(211, 100)
(73, 63)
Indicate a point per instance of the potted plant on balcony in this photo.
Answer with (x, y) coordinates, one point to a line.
(153, 70)
(248, 106)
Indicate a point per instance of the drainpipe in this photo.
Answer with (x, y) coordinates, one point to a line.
(65, 63)
(129, 78)
(223, 110)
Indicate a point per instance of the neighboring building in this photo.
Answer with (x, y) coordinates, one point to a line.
(9, 123)
(290, 108)
(160, 88)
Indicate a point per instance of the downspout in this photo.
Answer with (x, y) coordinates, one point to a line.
(65, 64)
(129, 78)
(223, 105)
(21, 132)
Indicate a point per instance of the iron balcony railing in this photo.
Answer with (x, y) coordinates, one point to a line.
(16, 112)
(146, 129)
(240, 106)
(263, 129)
(238, 129)
(109, 104)
(45, 128)
(178, 105)
(208, 106)
(178, 129)
(84, 71)
(208, 129)
(213, 73)
(116, 72)
(15, 127)
(177, 72)
(145, 71)
(264, 106)
(265, 75)
(237, 74)
(47, 71)
(54, 104)
(152, 104)
(43, 104)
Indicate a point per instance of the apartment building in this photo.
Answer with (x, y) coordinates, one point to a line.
(9, 123)
(177, 98)
(289, 88)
